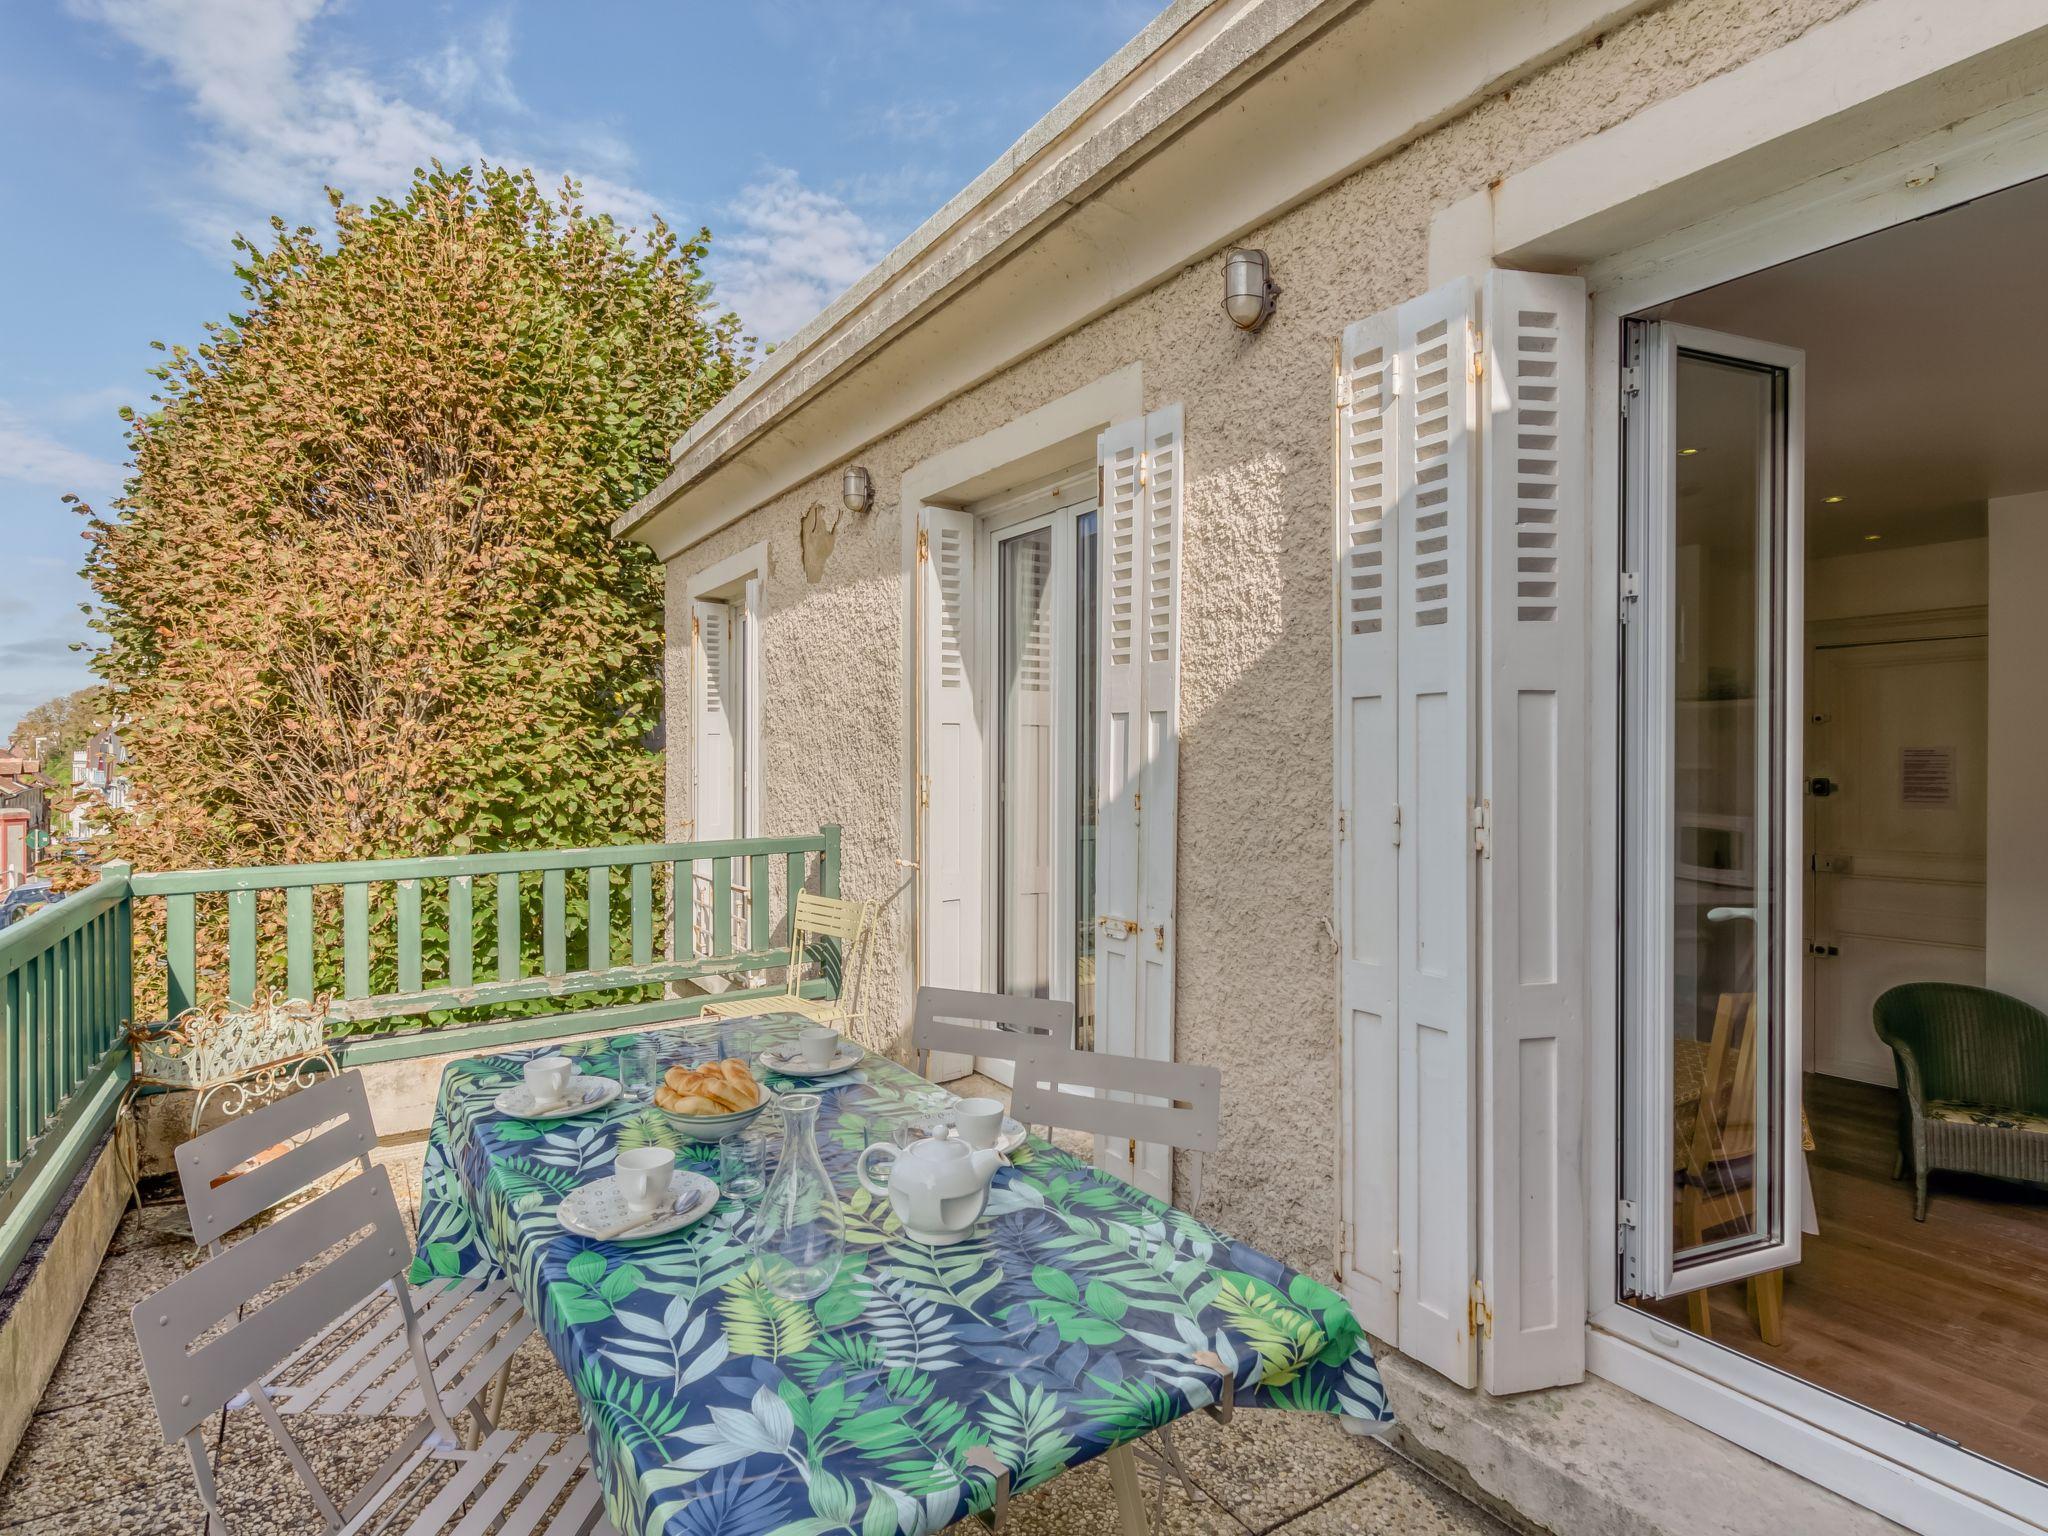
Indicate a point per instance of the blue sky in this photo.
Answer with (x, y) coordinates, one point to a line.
(136, 136)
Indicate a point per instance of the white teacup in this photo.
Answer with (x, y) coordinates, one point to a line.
(818, 1045)
(644, 1176)
(548, 1078)
(979, 1121)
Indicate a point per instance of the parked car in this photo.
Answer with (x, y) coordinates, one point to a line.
(31, 896)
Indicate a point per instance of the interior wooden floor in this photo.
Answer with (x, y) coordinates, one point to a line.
(1942, 1323)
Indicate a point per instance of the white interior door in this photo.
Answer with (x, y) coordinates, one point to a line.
(1897, 790)
(1712, 747)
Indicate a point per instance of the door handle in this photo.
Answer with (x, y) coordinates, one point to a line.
(1726, 914)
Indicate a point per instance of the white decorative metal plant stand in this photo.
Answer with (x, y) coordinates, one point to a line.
(244, 1057)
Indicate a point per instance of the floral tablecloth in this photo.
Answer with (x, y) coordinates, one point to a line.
(1066, 1325)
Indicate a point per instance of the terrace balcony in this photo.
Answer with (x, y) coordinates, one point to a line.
(416, 962)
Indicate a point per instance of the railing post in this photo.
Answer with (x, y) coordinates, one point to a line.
(828, 879)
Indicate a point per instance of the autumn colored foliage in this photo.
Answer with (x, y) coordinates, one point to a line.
(360, 598)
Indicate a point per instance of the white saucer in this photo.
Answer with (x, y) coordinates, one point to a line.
(585, 1094)
(1009, 1138)
(794, 1065)
(591, 1208)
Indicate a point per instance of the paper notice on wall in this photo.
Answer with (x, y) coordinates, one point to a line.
(1927, 777)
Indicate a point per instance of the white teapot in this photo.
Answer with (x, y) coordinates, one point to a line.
(937, 1186)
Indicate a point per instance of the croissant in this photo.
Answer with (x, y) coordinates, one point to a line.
(719, 1088)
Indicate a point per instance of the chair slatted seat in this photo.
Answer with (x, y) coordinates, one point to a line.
(213, 1334)
(359, 1367)
(830, 932)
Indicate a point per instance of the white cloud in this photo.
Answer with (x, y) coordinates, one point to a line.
(32, 457)
(284, 119)
(788, 251)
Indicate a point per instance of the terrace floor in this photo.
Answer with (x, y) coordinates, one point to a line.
(93, 1463)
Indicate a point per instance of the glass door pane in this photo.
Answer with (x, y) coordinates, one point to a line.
(1711, 1044)
(1084, 779)
(1026, 734)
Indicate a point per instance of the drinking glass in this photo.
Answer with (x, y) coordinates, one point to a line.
(639, 1069)
(743, 1164)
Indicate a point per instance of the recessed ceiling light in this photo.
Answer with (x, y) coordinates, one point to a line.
(1872, 538)
(1832, 501)
(1686, 453)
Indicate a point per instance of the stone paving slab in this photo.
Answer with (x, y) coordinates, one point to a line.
(93, 1462)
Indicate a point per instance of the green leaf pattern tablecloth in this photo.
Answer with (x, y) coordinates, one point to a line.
(1066, 1325)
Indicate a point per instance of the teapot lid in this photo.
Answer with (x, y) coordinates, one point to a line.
(930, 1149)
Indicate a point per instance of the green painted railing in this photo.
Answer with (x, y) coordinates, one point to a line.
(65, 1001)
(432, 955)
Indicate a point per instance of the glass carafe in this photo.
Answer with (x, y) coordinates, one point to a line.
(800, 1232)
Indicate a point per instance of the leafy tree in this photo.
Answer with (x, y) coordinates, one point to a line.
(63, 724)
(360, 598)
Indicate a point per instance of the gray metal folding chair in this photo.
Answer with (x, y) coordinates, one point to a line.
(1185, 1108)
(359, 1367)
(987, 1024)
(1170, 1103)
(317, 1266)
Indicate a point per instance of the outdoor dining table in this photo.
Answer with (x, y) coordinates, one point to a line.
(1080, 1315)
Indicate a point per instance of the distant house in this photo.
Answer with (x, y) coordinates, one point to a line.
(99, 775)
(24, 819)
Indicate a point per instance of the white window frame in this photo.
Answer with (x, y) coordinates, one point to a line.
(740, 581)
(1058, 506)
(1854, 1450)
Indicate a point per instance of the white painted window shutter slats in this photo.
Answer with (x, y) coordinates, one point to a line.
(1533, 768)
(1437, 619)
(1367, 829)
(714, 760)
(950, 781)
(1137, 753)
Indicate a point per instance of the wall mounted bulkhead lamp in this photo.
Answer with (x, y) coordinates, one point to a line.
(856, 489)
(1248, 291)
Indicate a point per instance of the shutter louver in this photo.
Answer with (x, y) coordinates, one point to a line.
(950, 733)
(714, 752)
(1366, 834)
(1533, 770)
(1137, 755)
(1436, 441)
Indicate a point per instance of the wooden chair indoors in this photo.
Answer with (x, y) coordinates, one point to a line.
(834, 934)
(1717, 1158)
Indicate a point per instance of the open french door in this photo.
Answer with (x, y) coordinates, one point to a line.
(1712, 614)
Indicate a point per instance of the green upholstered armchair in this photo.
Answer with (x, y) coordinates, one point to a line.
(1973, 1082)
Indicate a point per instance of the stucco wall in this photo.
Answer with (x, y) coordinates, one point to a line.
(1256, 991)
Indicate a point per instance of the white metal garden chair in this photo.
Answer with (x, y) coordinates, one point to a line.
(831, 932)
(1186, 1113)
(360, 1367)
(317, 1266)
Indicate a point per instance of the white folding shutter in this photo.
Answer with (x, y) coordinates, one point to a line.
(950, 789)
(1119, 752)
(713, 751)
(1532, 1209)
(1138, 756)
(1157, 811)
(1435, 413)
(1368, 828)
(1026, 565)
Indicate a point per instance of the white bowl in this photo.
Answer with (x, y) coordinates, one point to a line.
(716, 1127)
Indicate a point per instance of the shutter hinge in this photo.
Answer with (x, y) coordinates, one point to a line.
(1478, 1315)
(1631, 593)
(1397, 1271)
(1144, 469)
(1478, 354)
(1343, 826)
(1624, 1223)
(1397, 826)
(696, 627)
(924, 791)
(1343, 390)
(1482, 827)
(1343, 1245)
(1397, 375)
(924, 545)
